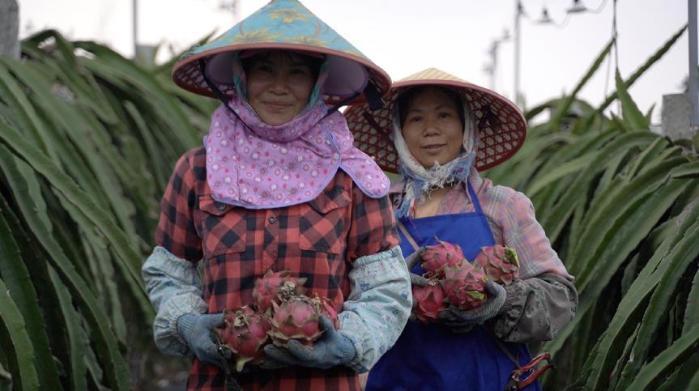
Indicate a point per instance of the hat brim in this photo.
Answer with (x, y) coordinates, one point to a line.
(347, 75)
(502, 127)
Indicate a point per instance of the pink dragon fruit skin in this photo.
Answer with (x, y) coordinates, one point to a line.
(297, 318)
(428, 301)
(464, 285)
(500, 263)
(326, 308)
(276, 287)
(436, 257)
(245, 333)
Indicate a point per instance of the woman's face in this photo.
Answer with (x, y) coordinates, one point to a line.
(278, 86)
(432, 128)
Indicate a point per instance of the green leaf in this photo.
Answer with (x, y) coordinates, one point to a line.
(20, 287)
(691, 310)
(608, 209)
(565, 104)
(78, 345)
(656, 309)
(632, 116)
(16, 343)
(565, 169)
(115, 365)
(628, 230)
(130, 265)
(643, 68)
(554, 222)
(655, 371)
(630, 309)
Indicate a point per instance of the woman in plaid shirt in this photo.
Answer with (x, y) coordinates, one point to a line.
(443, 132)
(278, 185)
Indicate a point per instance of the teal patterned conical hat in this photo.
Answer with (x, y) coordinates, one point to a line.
(288, 25)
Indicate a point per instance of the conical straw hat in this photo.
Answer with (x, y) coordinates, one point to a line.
(501, 126)
(281, 24)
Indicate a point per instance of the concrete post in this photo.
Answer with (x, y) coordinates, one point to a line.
(9, 28)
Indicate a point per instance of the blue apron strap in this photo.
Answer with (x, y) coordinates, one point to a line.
(474, 198)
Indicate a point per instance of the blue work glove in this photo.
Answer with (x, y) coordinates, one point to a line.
(198, 331)
(460, 321)
(333, 348)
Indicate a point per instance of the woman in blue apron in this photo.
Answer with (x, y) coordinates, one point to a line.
(438, 132)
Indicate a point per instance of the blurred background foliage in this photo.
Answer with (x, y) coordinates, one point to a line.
(88, 140)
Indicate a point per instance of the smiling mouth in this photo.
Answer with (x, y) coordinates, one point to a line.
(433, 147)
(277, 106)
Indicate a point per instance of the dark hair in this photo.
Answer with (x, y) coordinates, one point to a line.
(406, 98)
(312, 62)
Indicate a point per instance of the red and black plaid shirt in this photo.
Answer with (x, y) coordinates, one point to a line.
(317, 240)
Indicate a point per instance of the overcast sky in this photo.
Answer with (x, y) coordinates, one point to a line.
(405, 36)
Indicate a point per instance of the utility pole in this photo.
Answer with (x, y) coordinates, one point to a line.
(519, 11)
(233, 7)
(9, 28)
(693, 91)
(492, 68)
(134, 25)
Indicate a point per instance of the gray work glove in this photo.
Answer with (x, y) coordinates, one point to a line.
(198, 331)
(460, 321)
(333, 348)
(410, 261)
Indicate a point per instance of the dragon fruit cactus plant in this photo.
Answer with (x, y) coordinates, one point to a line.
(436, 257)
(298, 318)
(245, 332)
(464, 285)
(276, 287)
(500, 263)
(428, 301)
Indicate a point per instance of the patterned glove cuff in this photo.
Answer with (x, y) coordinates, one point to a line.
(165, 329)
(355, 363)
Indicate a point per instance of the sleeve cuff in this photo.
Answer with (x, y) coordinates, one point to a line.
(378, 306)
(167, 339)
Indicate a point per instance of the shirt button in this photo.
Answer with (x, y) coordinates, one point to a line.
(272, 220)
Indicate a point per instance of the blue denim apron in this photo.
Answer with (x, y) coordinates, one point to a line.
(430, 356)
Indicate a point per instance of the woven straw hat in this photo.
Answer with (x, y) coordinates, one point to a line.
(501, 126)
(287, 25)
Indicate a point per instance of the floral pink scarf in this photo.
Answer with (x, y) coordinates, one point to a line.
(256, 166)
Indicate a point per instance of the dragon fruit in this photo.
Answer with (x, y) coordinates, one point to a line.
(276, 287)
(298, 318)
(500, 263)
(436, 257)
(464, 285)
(245, 333)
(427, 302)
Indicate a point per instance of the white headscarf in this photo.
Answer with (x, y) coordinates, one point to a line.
(420, 181)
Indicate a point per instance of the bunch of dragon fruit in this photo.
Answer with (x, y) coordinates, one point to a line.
(245, 332)
(456, 281)
(293, 315)
(281, 312)
(500, 263)
(453, 281)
